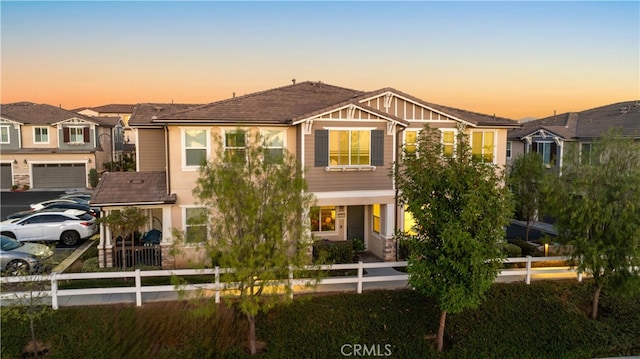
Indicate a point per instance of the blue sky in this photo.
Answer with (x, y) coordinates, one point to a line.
(515, 59)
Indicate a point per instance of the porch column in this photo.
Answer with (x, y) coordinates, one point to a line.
(168, 261)
(387, 230)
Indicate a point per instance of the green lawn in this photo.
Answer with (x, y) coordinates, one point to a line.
(543, 320)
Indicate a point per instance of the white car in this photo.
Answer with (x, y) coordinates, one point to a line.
(68, 227)
(40, 205)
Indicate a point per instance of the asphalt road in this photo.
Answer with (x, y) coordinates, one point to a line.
(11, 202)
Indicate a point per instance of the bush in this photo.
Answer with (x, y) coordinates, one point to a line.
(94, 178)
(333, 251)
(526, 248)
(512, 250)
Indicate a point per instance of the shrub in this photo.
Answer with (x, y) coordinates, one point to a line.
(91, 265)
(333, 251)
(25, 187)
(94, 178)
(511, 250)
(526, 248)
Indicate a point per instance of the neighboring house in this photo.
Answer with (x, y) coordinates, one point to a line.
(45, 146)
(553, 136)
(124, 138)
(347, 141)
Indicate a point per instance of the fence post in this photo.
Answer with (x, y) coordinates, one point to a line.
(217, 283)
(54, 291)
(138, 289)
(290, 282)
(360, 274)
(579, 276)
(528, 277)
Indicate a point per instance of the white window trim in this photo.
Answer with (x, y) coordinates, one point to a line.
(8, 134)
(234, 130)
(183, 148)
(335, 228)
(509, 149)
(184, 225)
(455, 138)
(71, 136)
(495, 140)
(331, 167)
(35, 141)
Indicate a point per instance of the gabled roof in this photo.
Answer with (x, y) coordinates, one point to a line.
(587, 124)
(30, 113)
(275, 106)
(107, 121)
(145, 113)
(468, 117)
(113, 108)
(131, 188)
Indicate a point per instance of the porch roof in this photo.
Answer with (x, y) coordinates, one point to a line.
(132, 188)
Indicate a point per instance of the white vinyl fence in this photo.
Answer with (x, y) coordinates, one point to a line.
(375, 275)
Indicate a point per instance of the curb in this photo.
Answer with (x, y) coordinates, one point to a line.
(67, 262)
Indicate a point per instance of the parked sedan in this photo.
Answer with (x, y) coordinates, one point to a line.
(67, 226)
(57, 206)
(41, 205)
(18, 258)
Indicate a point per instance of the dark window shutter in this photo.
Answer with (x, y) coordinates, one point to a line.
(377, 148)
(65, 134)
(85, 134)
(322, 148)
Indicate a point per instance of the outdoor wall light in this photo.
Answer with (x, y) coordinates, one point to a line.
(25, 161)
(89, 160)
(15, 162)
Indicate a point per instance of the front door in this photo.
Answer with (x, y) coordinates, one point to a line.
(355, 222)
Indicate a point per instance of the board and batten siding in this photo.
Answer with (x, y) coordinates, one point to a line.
(405, 109)
(151, 150)
(320, 180)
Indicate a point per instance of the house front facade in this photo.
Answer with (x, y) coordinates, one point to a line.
(44, 146)
(552, 137)
(346, 140)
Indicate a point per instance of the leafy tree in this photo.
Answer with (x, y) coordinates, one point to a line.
(256, 214)
(596, 204)
(525, 179)
(94, 178)
(460, 206)
(123, 224)
(29, 304)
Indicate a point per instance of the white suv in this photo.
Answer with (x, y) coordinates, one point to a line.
(67, 226)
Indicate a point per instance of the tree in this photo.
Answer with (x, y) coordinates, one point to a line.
(461, 207)
(123, 224)
(596, 205)
(525, 179)
(256, 214)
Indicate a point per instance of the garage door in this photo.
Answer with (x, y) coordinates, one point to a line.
(59, 175)
(6, 179)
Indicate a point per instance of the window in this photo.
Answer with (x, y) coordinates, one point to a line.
(411, 141)
(4, 134)
(274, 143)
(195, 146)
(323, 219)
(585, 153)
(235, 146)
(40, 135)
(448, 142)
(76, 134)
(482, 145)
(509, 144)
(376, 218)
(409, 223)
(195, 224)
(547, 150)
(349, 148)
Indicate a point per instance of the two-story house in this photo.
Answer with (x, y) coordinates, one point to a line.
(346, 140)
(44, 146)
(553, 136)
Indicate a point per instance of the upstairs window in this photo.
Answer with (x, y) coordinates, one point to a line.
(349, 148)
(235, 146)
(4, 134)
(483, 145)
(585, 153)
(509, 145)
(411, 141)
(548, 152)
(448, 142)
(195, 143)
(274, 145)
(75, 135)
(41, 135)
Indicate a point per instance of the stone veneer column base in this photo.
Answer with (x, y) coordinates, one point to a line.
(168, 260)
(389, 250)
(105, 257)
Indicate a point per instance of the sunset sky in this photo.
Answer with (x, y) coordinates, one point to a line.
(512, 59)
